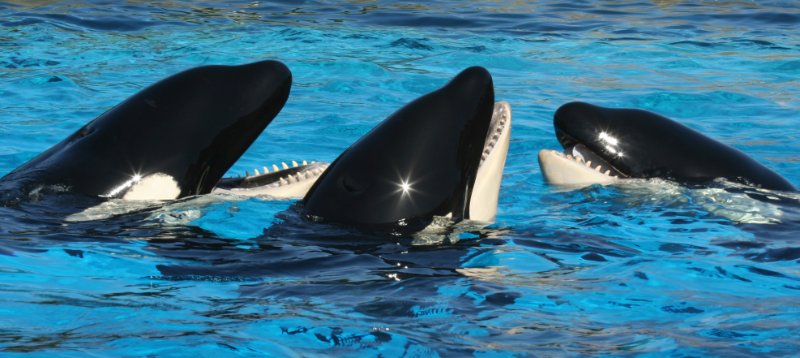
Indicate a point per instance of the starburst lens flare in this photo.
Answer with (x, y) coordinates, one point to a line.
(611, 143)
(605, 137)
(405, 187)
(133, 180)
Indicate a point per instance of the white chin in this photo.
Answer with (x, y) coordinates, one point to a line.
(559, 169)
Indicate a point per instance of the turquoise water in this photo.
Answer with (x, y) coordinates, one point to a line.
(650, 268)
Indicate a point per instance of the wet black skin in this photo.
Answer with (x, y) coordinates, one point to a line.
(655, 146)
(193, 126)
(434, 143)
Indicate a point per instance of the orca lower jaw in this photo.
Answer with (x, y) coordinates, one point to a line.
(277, 182)
(577, 165)
(486, 189)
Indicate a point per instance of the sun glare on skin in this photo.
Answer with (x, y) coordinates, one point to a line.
(133, 180)
(611, 143)
(405, 182)
(605, 137)
(405, 186)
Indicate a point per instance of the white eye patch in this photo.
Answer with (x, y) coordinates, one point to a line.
(154, 187)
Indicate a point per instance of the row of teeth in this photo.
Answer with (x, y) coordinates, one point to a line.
(304, 175)
(587, 163)
(275, 168)
(495, 136)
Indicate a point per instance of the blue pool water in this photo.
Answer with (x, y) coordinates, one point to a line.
(651, 268)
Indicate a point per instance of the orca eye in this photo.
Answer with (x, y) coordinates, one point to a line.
(352, 185)
(85, 131)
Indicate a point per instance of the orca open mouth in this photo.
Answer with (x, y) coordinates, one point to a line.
(282, 181)
(483, 202)
(577, 165)
(499, 130)
(602, 145)
(440, 155)
(286, 181)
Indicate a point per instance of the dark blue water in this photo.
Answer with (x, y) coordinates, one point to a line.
(646, 268)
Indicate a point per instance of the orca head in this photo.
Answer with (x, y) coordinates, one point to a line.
(176, 138)
(603, 145)
(440, 155)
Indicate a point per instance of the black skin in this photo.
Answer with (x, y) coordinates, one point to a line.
(192, 126)
(655, 146)
(434, 143)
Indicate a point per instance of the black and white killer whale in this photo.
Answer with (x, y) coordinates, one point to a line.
(441, 155)
(174, 139)
(178, 137)
(604, 145)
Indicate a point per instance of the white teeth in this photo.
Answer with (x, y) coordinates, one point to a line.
(275, 168)
(307, 175)
(597, 169)
(589, 163)
(580, 159)
(290, 179)
(283, 182)
(283, 164)
(305, 162)
(569, 156)
(255, 170)
(607, 172)
(294, 164)
(577, 154)
(266, 171)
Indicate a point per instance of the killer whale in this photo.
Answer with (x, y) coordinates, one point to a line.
(176, 138)
(605, 145)
(441, 155)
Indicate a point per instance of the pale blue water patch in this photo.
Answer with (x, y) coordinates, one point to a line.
(648, 269)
